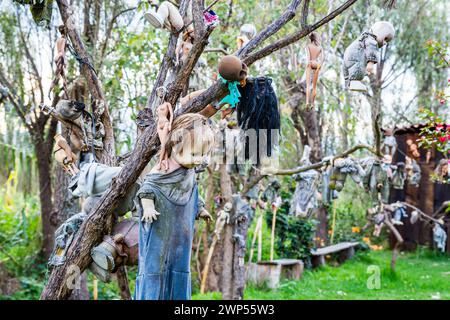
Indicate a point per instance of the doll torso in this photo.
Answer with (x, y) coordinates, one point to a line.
(165, 245)
(314, 55)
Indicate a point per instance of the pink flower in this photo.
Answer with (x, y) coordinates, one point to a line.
(439, 127)
(442, 139)
(442, 101)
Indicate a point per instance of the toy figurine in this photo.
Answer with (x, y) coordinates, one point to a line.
(315, 60)
(413, 172)
(248, 31)
(362, 54)
(186, 45)
(166, 15)
(64, 155)
(231, 68)
(167, 205)
(164, 126)
(442, 171)
(413, 149)
(60, 61)
(439, 237)
(389, 145)
(223, 217)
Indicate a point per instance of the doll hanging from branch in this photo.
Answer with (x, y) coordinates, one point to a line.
(164, 126)
(315, 60)
(61, 62)
(64, 155)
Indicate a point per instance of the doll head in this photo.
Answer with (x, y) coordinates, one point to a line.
(231, 68)
(314, 38)
(248, 30)
(62, 30)
(191, 140)
(384, 32)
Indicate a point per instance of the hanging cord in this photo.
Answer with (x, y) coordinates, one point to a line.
(80, 59)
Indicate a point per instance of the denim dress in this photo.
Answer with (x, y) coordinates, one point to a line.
(165, 244)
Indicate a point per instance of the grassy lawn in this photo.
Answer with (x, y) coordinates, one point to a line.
(419, 275)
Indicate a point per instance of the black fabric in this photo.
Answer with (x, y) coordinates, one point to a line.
(258, 109)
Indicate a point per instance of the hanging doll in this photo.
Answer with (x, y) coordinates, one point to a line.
(378, 220)
(167, 204)
(64, 155)
(304, 199)
(442, 171)
(413, 172)
(247, 32)
(389, 145)
(398, 176)
(233, 72)
(166, 16)
(362, 54)
(60, 61)
(186, 45)
(376, 180)
(413, 150)
(439, 237)
(315, 60)
(343, 167)
(164, 126)
(399, 212)
(223, 218)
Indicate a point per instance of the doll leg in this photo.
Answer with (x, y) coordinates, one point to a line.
(308, 83)
(314, 84)
(170, 13)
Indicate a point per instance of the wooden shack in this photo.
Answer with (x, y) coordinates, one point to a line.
(428, 196)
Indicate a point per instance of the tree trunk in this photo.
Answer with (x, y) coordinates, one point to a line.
(49, 222)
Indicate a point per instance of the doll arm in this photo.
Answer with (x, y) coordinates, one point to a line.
(169, 106)
(149, 213)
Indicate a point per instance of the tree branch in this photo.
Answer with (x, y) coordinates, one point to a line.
(322, 163)
(277, 45)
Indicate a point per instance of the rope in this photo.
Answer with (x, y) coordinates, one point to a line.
(81, 60)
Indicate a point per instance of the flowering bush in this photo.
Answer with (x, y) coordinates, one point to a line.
(436, 133)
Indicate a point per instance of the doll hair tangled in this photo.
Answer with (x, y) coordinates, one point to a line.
(186, 126)
(315, 38)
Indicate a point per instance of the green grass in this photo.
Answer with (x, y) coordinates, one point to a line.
(420, 275)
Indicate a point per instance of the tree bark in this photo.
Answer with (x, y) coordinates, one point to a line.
(49, 224)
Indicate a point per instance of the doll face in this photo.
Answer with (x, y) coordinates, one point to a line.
(194, 147)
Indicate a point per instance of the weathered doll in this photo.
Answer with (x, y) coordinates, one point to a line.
(186, 45)
(247, 32)
(362, 54)
(167, 204)
(64, 155)
(164, 126)
(60, 61)
(166, 16)
(413, 150)
(389, 145)
(315, 60)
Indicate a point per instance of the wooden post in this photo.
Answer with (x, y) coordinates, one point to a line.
(272, 236)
